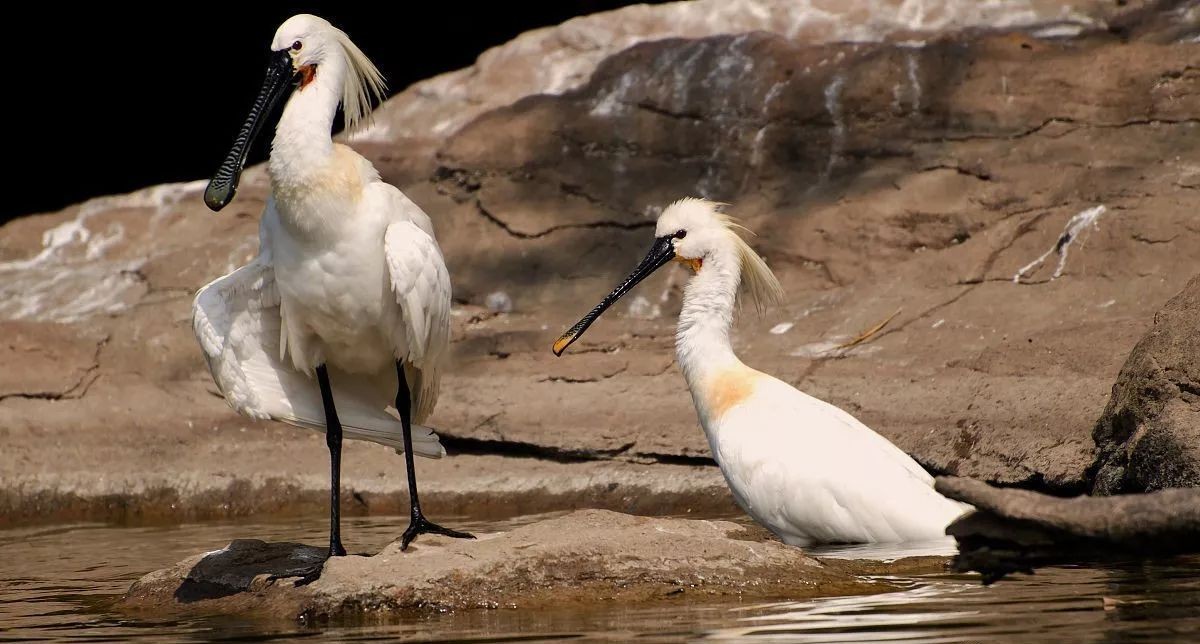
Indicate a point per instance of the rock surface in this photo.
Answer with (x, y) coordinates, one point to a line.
(558, 59)
(1149, 434)
(1015, 530)
(916, 171)
(585, 556)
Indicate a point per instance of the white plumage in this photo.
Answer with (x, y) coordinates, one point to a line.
(342, 322)
(348, 274)
(807, 470)
(812, 473)
(237, 321)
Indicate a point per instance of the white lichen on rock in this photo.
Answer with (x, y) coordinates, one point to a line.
(1079, 225)
(79, 271)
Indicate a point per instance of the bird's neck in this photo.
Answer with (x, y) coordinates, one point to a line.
(702, 340)
(303, 144)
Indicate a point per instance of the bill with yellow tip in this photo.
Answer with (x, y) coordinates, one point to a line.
(661, 252)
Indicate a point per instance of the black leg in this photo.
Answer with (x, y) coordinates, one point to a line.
(333, 439)
(419, 524)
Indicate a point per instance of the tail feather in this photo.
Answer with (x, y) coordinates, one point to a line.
(361, 402)
(425, 441)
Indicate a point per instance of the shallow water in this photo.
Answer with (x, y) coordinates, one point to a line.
(58, 583)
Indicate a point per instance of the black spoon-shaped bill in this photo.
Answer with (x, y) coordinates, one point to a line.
(223, 186)
(660, 253)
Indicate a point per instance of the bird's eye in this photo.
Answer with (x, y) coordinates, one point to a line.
(680, 234)
(297, 45)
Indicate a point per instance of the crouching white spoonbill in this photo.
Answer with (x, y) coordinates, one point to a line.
(349, 284)
(807, 470)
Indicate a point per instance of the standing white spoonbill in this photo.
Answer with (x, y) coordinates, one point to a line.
(349, 284)
(803, 468)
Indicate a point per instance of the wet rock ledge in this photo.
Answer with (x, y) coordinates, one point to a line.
(586, 556)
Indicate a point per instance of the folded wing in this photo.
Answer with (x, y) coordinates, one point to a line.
(421, 285)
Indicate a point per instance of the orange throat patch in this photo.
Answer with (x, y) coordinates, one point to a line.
(691, 263)
(307, 74)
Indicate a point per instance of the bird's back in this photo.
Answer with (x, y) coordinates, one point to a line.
(811, 472)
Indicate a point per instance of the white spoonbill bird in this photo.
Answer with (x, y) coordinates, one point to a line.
(807, 470)
(349, 284)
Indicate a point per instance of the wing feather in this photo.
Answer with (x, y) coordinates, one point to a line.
(421, 285)
(236, 319)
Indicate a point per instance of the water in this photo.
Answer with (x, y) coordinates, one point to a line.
(59, 583)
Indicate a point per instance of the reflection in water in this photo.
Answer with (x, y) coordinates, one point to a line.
(1144, 601)
(57, 584)
(888, 551)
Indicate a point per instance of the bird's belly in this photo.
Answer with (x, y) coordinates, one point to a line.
(335, 309)
(761, 503)
(743, 485)
(779, 498)
(341, 339)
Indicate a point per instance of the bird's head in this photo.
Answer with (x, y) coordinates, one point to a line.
(305, 48)
(693, 232)
(697, 230)
(304, 41)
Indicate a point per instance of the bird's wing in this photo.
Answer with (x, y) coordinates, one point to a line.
(872, 440)
(421, 285)
(814, 466)
(236, 320)
(842, 432)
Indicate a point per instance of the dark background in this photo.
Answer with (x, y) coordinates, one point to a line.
(110, 98)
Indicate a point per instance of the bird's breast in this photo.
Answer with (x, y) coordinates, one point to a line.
(345, 285)
(336, 299)
(318, 198)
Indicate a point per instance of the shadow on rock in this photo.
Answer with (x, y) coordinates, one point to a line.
(233, 569)
(1017, 530)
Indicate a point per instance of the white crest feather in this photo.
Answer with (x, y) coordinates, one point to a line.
(363, 84)
(760, 282)
(756, 276)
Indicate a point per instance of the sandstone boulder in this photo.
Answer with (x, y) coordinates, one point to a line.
(1149, 434)
(581, 557)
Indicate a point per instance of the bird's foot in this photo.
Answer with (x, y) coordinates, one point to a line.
(311, 573)
(306, 576)
(421, 525)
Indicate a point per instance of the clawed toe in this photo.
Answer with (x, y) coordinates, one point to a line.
(309, 574)
(421, 525)
(306, 575)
